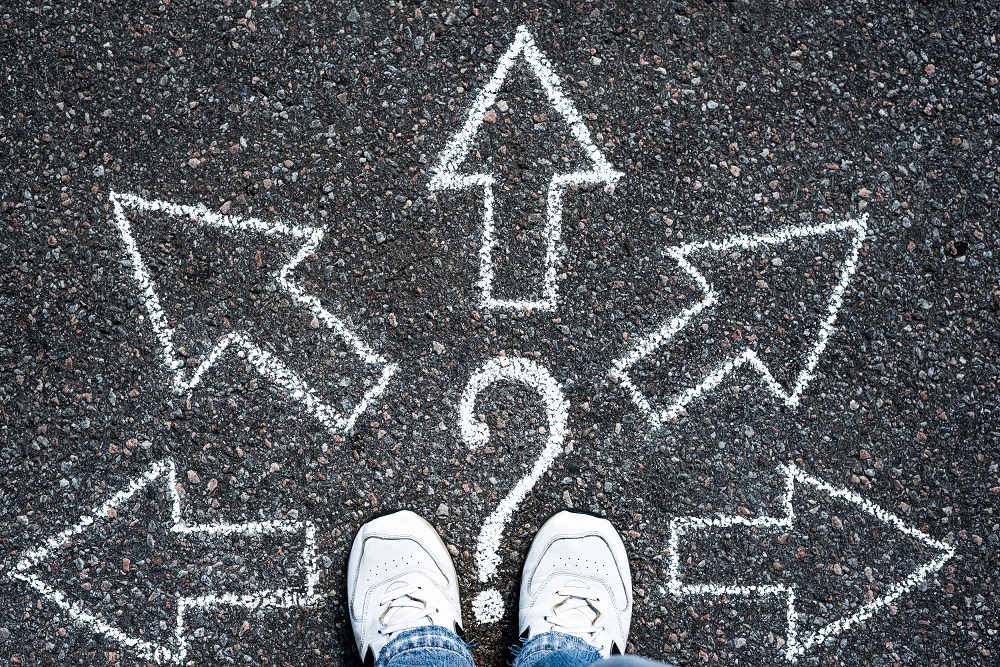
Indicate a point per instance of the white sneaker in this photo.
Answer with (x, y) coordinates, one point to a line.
(577, 581)
(399, 576)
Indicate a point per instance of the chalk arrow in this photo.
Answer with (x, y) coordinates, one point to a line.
(281, 573)
(749, 350)
(735, 556)
(447, 172)
(237, 335)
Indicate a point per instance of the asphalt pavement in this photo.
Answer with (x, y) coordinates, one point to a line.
(255, 255)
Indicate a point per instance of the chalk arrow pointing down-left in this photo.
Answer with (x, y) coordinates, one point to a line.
(447, 173)
(271, 564)
(239, 336)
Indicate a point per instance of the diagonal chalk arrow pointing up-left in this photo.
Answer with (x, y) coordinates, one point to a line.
(271, 579)
(238, 338)
(447, 173)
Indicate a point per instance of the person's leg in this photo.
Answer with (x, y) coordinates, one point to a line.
(402, 592)
(556, 649)
(576, 594)
(426, 646)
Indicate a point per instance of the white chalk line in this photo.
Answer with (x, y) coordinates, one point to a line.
(796, 644)
(446, 174)
(488, 606)
(858, 228)
(166, 470)
(265, 363)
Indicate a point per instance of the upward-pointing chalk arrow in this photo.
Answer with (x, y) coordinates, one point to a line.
(240, 338)
(447, 175)
(854, 230)
(706, 574)
(271, 589)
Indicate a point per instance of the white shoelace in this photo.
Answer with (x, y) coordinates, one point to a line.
(575, 614)
(404, 610)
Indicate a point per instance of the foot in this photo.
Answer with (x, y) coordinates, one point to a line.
(577, 581)
(399, 576)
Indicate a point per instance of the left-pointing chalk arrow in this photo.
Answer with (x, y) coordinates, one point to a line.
(157, 569)
(190, 285)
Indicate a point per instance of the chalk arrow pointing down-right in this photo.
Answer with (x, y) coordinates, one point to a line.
(447, 173)
(159, 569)
(741, 556)
(747, 353)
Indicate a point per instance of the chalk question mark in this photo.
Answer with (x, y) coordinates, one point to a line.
(488, 605)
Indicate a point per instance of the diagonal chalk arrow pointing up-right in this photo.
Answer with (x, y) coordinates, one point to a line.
(852, 231)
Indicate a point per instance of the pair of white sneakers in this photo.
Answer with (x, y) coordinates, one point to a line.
(576, 580)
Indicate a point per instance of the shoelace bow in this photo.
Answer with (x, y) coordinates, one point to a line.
(402, 607)
(575, 614)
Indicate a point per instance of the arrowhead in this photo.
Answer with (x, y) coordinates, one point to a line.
(536, 179)
(78, 574)
(447, 173)
(769, 302)
(131, 568)
(856, 559)
(204, 279)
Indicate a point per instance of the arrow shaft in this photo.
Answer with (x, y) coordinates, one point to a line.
(511, 275)
(277, 547)
(717, 556)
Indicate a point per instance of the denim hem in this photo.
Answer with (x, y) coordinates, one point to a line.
(436, 644)
(538, 649)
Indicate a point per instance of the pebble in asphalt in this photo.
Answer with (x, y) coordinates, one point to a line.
(723, 118)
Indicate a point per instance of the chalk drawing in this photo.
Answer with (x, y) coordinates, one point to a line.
(799, 640)
(176, 651)
(265, 363)
(488, 605)
(856, 228)
(446, 175)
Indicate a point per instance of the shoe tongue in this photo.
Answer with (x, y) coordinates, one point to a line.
(404, 614)
(583, 615)
(396, 585)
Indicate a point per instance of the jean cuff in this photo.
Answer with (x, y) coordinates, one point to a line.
(436, 644)
(537, 649)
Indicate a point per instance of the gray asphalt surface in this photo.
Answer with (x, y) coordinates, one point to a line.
(724, 118)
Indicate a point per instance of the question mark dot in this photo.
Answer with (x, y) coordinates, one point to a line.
(488, 606)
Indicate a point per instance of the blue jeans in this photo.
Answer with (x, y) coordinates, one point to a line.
(435, 646)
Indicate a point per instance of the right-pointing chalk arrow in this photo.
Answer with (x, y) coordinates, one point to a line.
(834, 558)
(694, 331)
